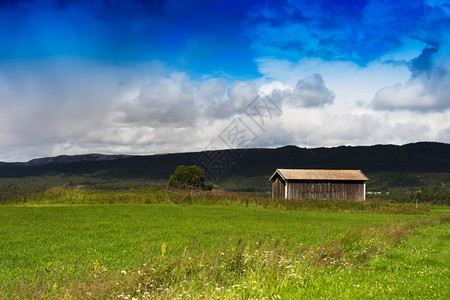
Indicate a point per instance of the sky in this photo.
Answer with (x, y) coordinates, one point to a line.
(148, 77)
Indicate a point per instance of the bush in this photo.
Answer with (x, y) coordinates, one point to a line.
(188, 178)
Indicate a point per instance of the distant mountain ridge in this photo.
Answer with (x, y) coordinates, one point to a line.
(73, 158)
(413, 158)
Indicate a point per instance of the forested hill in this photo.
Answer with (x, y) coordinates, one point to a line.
(420, 157)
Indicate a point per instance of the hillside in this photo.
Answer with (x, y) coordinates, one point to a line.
(424, 157)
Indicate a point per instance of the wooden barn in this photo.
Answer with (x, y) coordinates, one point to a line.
(319, 184)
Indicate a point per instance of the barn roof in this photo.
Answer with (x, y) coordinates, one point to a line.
(308, 174)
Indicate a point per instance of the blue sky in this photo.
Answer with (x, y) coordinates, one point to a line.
(141, 77)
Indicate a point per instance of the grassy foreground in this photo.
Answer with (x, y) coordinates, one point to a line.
(168, 250)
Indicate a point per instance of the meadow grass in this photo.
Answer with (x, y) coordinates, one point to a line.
(158, 194)
(191, 246)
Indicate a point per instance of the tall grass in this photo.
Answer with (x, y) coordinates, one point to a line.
(179, 249)
(153, 195)
(261, 270)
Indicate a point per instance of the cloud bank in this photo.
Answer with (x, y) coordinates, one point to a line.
(142, 77)
(122, 109)
(426, 90)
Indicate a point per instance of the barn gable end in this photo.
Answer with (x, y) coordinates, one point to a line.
(278, 187)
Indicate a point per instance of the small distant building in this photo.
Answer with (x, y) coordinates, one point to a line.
(319, 184)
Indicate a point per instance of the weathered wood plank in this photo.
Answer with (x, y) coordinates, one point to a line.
(298, 189)
(278, 188)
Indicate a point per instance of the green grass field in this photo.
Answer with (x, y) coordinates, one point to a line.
(167, 250)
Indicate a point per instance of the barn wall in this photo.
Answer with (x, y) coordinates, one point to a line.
(349, 190)
(278, 188)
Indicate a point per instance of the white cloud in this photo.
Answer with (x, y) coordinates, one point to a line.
(85, 107)
(111, 109)
(426, 89)
(351, 119)
(44, 102)
(239, 95)
(349, 82)
(318, 127)
(311, 92)
(161, 101)
(409, 96)
(269, 87)
(424, 92)
(444, 135)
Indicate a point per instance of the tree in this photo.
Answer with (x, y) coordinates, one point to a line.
(188, 178)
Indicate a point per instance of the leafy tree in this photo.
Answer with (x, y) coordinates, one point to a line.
(188, 178)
